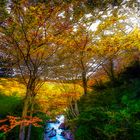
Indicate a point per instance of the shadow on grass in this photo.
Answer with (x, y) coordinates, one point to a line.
(10, 105)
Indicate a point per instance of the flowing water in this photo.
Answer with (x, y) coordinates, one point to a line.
(55, 125)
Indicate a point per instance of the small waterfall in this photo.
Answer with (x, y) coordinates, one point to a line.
(55, 125)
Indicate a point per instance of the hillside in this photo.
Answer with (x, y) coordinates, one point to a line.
(111, 112)
(51, 94)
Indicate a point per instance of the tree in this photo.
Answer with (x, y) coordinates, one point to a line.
(31, 36)
(78, 61)
(5, 67)
(118, 50)
(3, 11)
(35, 32)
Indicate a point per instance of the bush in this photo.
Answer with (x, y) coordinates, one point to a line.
(111, 113)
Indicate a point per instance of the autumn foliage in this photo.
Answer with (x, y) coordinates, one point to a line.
(11, 121)
(78, 44)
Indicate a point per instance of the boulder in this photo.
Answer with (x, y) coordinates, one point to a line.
(57, 121)
(63, 133)
(47, 130)
(52, 133)
(62, 126)
(67, 135)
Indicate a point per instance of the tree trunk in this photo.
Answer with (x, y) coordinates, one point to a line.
(112, 72)
(30, 126)
(24, 114)
(29, 132)
(76, 108)
(71, 108)
(109, 69)
(84, 81)
(26, 105)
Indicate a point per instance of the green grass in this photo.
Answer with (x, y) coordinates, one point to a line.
(9, 104)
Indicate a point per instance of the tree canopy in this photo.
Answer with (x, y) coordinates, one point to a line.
(66, 41)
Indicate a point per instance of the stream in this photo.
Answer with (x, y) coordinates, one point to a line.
(55, 125)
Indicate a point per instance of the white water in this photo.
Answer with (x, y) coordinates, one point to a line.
(58, 131)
